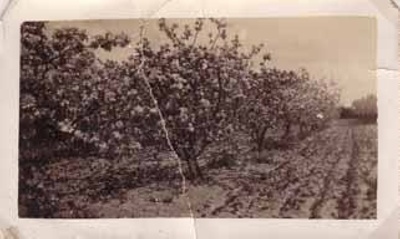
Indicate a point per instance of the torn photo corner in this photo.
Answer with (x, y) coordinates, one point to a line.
(201, 126)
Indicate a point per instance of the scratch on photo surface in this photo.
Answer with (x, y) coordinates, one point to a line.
(163, 122)
(159, 8)
(166, 132)
(9, 233)
(6, 9)
(396, 4)
(386, 227)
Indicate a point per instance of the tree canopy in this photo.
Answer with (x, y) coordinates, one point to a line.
(199, 93)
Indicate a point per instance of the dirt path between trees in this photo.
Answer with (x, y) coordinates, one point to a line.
(331, 174)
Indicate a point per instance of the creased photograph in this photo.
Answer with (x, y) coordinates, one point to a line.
(205, 118)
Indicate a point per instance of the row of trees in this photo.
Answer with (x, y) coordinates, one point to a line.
(193, 92)
(365, 109)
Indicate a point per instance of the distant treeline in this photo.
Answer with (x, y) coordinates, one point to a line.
(364, 109)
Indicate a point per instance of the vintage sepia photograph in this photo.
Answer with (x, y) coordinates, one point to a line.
(206, 118)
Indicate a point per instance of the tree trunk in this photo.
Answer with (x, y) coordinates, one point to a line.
(260, 139)
(287, 131)
(260, 142)
(302, 131)
(139, 170)
(190, 169)
(194, 171)
(194, 168)
(199, 172)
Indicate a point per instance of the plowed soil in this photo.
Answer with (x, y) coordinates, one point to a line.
(331, 174)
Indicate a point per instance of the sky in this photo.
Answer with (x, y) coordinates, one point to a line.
(339, 49)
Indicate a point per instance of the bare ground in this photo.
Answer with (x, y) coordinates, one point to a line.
(332, 174)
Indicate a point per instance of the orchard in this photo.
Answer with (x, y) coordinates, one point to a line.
(194, 118)
(196, 93)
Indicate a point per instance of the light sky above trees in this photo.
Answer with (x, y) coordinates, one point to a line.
(339, 49)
